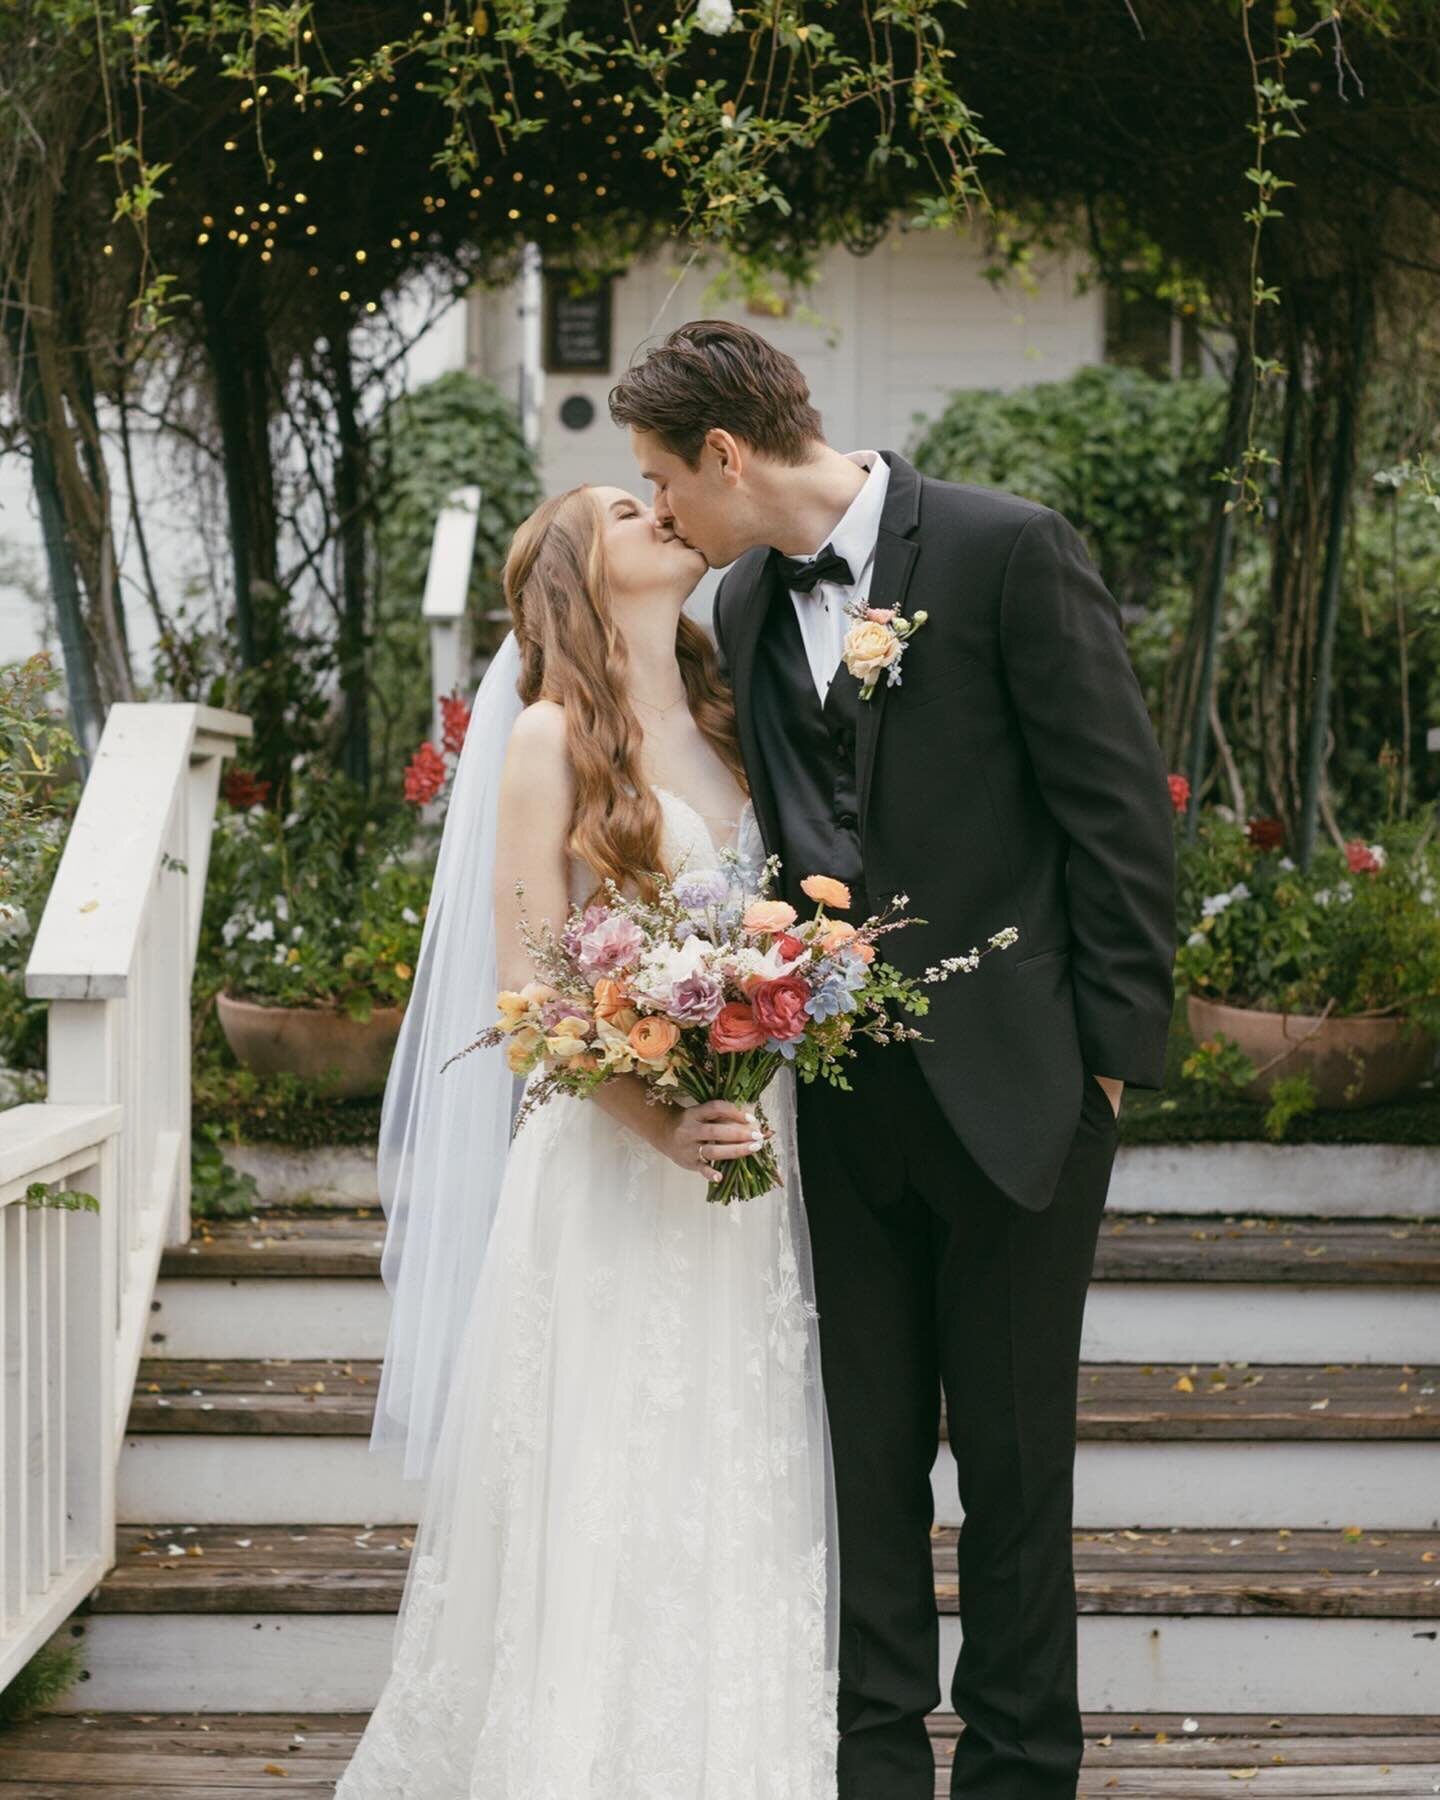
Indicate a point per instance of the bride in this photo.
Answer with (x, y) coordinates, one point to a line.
(622, 1587)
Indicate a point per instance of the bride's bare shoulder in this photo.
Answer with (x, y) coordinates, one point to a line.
(539, 731)
(537, 762)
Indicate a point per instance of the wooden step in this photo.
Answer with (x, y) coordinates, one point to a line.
(355, 1569)
(1119, 1402)
(240, 1756)
(1368, 1252)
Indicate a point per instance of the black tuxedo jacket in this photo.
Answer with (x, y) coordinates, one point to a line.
(1011, 778)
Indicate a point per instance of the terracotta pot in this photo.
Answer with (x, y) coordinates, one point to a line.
(1352, 1062)
(320, 1043)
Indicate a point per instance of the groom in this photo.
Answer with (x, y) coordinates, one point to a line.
(955, 1194)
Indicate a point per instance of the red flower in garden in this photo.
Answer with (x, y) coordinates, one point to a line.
(780, 1007)
(1361, 858)
(1266, 834)
(242, 789)
(455, 717)
(1179, 792)
(426, 775)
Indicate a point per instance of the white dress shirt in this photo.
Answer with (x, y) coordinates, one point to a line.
(823, 618)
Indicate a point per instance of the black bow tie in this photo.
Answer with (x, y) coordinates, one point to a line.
(803, 576)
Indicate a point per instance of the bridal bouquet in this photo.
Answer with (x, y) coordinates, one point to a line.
(706, 992)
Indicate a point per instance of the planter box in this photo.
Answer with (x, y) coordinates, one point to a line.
(319, 1043)
(1352, 1062)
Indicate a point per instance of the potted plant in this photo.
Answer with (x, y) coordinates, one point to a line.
(312, 932)
(1329, 974)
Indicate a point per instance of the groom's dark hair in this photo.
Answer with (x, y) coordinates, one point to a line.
(711, 375)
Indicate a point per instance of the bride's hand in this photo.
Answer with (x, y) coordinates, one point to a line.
(696, 1137)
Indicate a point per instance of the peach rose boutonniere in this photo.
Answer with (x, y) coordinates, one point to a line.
(876, 642)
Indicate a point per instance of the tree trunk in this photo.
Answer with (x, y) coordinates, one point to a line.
(352, 512)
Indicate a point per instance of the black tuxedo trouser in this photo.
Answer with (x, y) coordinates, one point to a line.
(929, 1279)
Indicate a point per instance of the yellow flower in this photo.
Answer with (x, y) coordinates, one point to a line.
(869, 648)
(513, 1008)
(520, 1051)
(824, 890)
(404, 971)
(568, 1037)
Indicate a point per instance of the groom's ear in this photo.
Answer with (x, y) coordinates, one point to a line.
(729, 452)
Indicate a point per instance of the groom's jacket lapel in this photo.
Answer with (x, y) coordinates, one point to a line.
(755, 588)
(895, 552)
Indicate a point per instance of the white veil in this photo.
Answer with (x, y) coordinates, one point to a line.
(444, 1138)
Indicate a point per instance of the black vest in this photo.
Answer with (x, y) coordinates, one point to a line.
(809, 756)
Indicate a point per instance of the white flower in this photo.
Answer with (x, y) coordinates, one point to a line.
(282, 955)
(297, 932)
(409, 915)
(282, 909)
(233, 927)
(256, 812)
(1286, 863)
(668, 964)
(1378, 852)
(1214, 904)
(1323, 896)
(1345, 891)
(261, 932)
(14, 922)
(1427, 895)
(291, 819)
(715, 16)
(1195, 939)
(1240, 891)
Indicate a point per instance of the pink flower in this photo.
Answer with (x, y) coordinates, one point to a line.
(610, 946)
(1362, 858)
(780, 1007)
(455, 718)
(735, 1030)
(769, 915)
(879, 615)
(1179, 792)
(425, 776)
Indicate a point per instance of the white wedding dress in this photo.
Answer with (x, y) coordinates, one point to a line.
(621, 1588)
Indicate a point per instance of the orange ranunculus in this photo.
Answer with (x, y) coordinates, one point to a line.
(866, 952)
(652, 1039)
(824, 890)
(610, 997)
(769, 915)
(838, 933)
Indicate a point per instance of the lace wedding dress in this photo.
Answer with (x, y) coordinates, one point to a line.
(621, 1588)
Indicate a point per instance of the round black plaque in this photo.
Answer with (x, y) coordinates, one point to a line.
(577, 411)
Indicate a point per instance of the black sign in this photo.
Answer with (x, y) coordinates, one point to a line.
(577, 326)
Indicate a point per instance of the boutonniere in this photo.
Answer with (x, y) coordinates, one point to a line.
(876, 642)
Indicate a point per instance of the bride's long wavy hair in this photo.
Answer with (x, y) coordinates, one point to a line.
(573, 654)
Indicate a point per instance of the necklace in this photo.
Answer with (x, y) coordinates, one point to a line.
(661, 711)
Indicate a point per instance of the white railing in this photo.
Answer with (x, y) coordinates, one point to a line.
(114, 956)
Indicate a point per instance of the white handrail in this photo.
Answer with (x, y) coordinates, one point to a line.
(447, 589)
(114, 955)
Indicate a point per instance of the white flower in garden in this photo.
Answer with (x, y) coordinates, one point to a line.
(715, 16)
(291, 818)
(233, 927)
(296, 934)
(282, 955)
(1378, 852)
(409, 915)
(256, 812)
(1214, 904)
(261, 932)
(1345, 891)
(1287, 864)
(282, 909)
(1195, 939)
(14, 922)
(1323, 896)
(1240, 891)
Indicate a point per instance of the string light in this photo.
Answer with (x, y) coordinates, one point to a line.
(344, 293)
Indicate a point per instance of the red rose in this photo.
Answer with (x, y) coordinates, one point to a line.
(1179, 792)
(426, 775)
(455, 719)
(790, 947)
(735, 1030)
(1361, 858)
(780, 1008)
(1266, 834)
(244, 790)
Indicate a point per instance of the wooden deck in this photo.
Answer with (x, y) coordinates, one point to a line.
(338, 1569)
(1117, 1402)
(1314, 1252)
(260, 1756)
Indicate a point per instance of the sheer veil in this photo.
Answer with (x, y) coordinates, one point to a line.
(444, 1138)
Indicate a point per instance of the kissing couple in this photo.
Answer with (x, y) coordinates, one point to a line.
(676, 1540)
